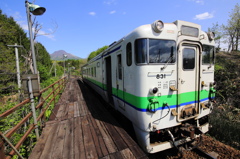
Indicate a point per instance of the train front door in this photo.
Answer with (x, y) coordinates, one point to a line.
(188, 81)
(120, 82)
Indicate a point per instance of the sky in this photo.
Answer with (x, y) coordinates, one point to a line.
(82, 26)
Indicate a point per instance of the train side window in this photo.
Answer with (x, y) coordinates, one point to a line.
(188, 58)
(141, 50)
(119, 57)
(208, 54)
(129, 54)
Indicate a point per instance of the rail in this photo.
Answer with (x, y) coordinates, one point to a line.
(26, 125)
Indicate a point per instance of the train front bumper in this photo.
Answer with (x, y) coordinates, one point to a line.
(157, 147)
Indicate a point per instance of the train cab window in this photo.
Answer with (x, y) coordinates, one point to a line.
(188, 58)
(119, 58)
(129, 54)
(162, 51)
(208, 54)
(141, 51)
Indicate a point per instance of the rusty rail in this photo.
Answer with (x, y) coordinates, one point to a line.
(43, 105)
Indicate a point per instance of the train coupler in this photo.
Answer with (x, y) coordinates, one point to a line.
(188, 130)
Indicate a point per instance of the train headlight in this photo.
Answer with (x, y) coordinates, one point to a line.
(153, 91)
(211, 35)
(157, 26)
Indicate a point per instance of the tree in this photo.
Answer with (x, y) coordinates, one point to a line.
(43, 61)
(10, 33)
(218, 34)
(95, 53)
(232, 29)
(36, 27)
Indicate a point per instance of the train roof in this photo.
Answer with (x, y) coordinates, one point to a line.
(187, 30)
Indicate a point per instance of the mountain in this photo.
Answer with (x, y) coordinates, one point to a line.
(58, 55)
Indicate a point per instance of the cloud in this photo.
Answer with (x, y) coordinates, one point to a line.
(92, 13)
(203, 16)
(49, 34)
(198, 1)
(112, 12)
(110, 2)
(16, 16)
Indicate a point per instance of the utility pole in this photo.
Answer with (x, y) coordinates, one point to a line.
(17, 64)
(55, 67)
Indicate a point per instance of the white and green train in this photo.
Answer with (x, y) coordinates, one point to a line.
(161, 77)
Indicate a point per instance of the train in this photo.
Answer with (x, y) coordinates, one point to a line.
(161, 77)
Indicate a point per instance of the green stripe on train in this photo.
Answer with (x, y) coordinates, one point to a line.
(143, 102)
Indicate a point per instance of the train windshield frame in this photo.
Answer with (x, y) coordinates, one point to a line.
(208, 55)
(155, 51)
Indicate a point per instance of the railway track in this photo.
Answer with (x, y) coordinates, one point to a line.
(200, 152)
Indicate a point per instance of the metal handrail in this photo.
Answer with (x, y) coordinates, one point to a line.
(43, 106)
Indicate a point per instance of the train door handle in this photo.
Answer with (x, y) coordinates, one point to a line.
(182, 81)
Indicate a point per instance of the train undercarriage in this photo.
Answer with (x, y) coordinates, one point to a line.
(188, 131)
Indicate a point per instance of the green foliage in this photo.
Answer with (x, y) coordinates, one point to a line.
(228, 84)
(49, 81)
(10, 33)
(73, 66)
(225, 125)
(225, 119)
(13, 119)
(95, 53)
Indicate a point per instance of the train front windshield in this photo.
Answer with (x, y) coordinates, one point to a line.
(155, 51)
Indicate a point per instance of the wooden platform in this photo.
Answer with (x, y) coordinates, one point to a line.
(81, 127)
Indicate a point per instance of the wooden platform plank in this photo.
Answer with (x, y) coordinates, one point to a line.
(83, 108)
(101, 143)
(46, 153)
(38, 149)
(84, 129)
(124, 135)
(71, 110)
(68, 140)
(115, 136)
(54, 112)
(88, 140)
(95, 137)
(60, 111)
(106, 137)
(137, 151)
(65, 112)
(116, 155)
(126, 153)
(79, 150)
(76, 109)
(58, 145)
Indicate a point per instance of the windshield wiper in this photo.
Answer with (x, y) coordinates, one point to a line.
(169, 59)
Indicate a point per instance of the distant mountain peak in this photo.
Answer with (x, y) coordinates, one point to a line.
(58, 55)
